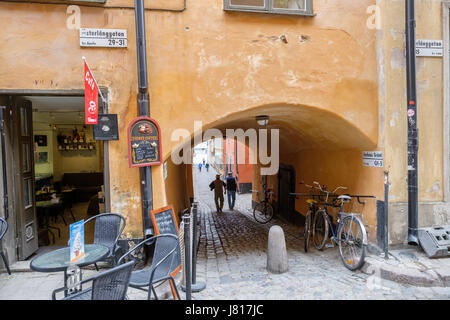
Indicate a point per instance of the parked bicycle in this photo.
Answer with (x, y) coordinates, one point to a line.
(312, 208)
(350, 234)
(263, 211)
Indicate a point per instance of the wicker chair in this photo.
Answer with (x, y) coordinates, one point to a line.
(108, 285)
(3, 229)
(166, 258)
(108, 228)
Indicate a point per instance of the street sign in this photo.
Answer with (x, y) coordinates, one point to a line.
(144, 142)
(373, 159)
(107, 38)
(429, 48)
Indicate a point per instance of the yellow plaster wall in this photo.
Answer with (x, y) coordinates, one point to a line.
(393, 107)
(177, 187)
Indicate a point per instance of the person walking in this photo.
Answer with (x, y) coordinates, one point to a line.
(200, 167)
(207, 166)
(218, 186)
(231, 189)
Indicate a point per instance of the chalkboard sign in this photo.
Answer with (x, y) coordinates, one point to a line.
(164, 221)
(106, 128)
(144, 142)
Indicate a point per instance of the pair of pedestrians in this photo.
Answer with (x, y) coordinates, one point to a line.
(218, 186)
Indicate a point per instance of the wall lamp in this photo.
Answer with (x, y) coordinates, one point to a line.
(262, 120)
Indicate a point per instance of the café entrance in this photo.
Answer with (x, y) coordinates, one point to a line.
(56, 172)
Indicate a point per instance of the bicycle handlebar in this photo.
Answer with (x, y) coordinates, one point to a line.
(339, 188)
(326, 191)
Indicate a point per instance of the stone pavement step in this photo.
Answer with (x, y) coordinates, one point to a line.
(411, 267)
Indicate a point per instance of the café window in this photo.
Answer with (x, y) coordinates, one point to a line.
(298, 7)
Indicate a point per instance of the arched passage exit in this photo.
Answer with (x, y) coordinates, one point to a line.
(317, 144)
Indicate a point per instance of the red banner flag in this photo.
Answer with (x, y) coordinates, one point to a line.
(90, 97)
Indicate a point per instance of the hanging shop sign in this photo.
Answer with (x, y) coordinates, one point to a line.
(90, 96)
(373, 159)
(144, 142)
(106, 128)
(106, 38)
(429, 48)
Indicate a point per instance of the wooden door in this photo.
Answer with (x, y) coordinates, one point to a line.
(23, 163)
(286, 185)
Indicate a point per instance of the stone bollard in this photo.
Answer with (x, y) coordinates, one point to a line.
(277, 261)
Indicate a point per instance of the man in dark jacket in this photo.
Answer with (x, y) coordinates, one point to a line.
(218, 186)
(231, 189)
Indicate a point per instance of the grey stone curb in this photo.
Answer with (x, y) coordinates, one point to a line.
(404, 275)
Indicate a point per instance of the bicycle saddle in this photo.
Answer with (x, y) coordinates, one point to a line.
(345, 198)
(311, 201)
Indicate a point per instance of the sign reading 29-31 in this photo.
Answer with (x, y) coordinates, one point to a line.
(144, 142)
(106, 38)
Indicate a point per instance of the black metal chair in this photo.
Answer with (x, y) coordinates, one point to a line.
(3, 229)
(109, 285)
(108, 228)
(166, 258)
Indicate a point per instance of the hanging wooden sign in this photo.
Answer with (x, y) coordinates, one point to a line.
(144, 142)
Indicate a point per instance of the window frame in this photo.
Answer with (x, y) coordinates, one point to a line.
(268, 8)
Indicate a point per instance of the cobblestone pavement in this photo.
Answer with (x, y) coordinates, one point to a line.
(232, 261)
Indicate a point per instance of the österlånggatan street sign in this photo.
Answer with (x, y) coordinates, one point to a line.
(429, 48)
(107, 38)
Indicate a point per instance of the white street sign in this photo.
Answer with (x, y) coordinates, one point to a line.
(373, 159)
(429, 48)
(108, 38)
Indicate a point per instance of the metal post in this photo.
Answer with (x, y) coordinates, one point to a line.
(187, 255)
(386, 214)
(412, 122)
(196, 287)
(144, 110)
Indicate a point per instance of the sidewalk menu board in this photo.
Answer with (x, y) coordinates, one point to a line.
(164, 221)
(76, 240)
(144, 142)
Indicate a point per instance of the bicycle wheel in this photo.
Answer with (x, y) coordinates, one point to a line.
(263, 212)
(307, 230)
(351, 247)
(320, 229)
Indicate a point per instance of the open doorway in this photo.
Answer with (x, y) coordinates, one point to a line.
(68, 168)
(55, 170)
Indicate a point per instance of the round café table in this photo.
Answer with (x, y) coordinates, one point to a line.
(59, 260)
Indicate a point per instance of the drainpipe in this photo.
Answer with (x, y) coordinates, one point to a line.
(144, 111)
(413, 141)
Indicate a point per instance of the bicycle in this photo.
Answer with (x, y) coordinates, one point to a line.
(312, 208)
(263, 211)
(350, 234)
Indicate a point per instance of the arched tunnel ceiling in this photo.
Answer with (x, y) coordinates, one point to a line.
(301, 128)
